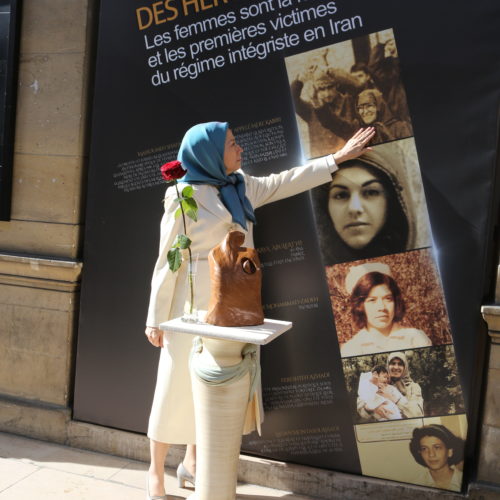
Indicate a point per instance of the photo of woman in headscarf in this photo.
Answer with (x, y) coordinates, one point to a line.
(365, 211)
(438, 451)
(408, 397)
(406, 384)
(329, 87)
(372, 111)
(377, 309)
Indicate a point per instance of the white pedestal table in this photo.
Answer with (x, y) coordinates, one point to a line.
(220, 409)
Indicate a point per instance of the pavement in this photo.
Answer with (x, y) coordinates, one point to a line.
(32, 469)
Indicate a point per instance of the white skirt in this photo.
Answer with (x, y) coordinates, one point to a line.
(172, 413)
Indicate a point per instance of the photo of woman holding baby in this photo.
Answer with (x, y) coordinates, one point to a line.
(403, 384)
(394, 394)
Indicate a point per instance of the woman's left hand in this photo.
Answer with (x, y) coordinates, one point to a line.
(355, 146)
(154, 335)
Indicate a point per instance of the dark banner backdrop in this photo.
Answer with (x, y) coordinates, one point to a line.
(153, 83)
(10, 18)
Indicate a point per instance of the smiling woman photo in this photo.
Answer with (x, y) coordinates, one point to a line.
(377, 309)
(407, 397)
(437, 449)
(364, 211)
(372, 111)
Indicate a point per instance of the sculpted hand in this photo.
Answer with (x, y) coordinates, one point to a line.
(355, 146)
(154, 335)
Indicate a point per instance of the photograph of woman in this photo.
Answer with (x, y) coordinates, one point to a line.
(372, 110)
(380, 386)
(365, 211)
(407, 396)
(392, 302)
(226, 200)
(440, 453)
(427, 452)
(377, 308)
(338, 88)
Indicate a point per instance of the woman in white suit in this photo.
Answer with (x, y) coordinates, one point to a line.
(226, 201)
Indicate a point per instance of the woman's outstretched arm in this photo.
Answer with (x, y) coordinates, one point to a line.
(274, 187)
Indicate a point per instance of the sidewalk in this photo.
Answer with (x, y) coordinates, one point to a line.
(31, 469)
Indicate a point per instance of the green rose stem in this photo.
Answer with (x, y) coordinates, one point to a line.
(190, 270)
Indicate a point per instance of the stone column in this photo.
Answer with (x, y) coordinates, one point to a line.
(220, 414)
(40, 247)
(489, 455)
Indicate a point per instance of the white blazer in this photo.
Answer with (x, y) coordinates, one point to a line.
(172, 415)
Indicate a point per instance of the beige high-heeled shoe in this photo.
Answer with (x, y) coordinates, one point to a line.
(183, 475)
(149, 497)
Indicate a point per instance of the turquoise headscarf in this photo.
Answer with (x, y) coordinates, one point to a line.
(202, 155)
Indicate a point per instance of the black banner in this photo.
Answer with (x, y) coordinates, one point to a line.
(9, 47)
(288, 76)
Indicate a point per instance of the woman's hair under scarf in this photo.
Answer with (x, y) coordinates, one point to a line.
(402, 383)
(393, 237)
(202, 155)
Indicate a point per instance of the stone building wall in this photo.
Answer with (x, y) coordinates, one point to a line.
(40, 246)
(489, 447)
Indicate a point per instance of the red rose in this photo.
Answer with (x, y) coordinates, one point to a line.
(172, 170)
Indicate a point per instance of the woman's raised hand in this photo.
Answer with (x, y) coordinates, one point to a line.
(355, 146)
(154, 335)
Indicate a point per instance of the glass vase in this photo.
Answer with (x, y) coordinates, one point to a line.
(190, 310)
